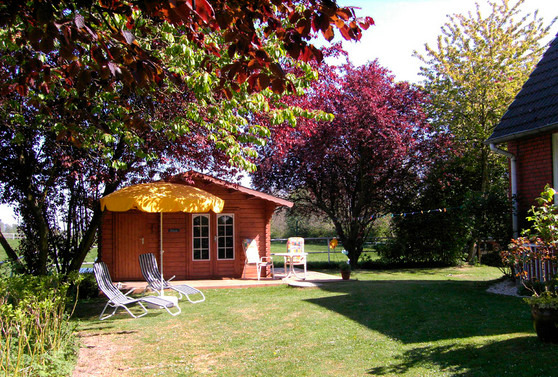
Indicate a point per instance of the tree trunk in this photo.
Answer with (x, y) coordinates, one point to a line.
(87, 241)
(353, 248)
(9, 250)
(89, 236)
(472, 251)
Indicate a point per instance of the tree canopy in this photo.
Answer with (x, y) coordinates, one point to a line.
(97, 93)
(472, 75)
(355, 167)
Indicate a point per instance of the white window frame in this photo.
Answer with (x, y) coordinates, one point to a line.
(208, 238)
(555, 164)
(218, 238)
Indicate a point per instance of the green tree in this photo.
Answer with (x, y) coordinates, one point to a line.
(356, 167)
(96, 94)
(436, 224)
(474, 72)
(472, 75)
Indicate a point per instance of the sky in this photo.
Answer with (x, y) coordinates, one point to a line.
(401, 27)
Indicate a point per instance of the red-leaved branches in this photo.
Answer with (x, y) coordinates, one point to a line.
(377, 148)
(95, 43)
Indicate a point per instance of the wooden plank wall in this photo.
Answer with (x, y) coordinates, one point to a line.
(174, 245)
(106, 238)
(120, 252)
(249, 221)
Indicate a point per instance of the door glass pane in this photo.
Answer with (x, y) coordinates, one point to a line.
(200, 236)
(225, 238)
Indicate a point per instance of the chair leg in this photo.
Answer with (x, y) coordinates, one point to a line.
(259, 269)
(103, 312)
(196, 301)
(171, 313)
(125, 308)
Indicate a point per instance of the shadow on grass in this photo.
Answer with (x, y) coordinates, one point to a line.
(446, 323)
(423, 311)
(519, 356)
(90, 309)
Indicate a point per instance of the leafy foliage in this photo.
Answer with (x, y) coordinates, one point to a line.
(538, 247)
(445, 238)
(474, 72)
(36, 337)
(376, 149)
(96, 94)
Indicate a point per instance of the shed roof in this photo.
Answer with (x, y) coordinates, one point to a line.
(535, 108)
(195, 176)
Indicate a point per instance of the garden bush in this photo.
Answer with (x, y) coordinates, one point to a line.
(36, 338)
(86, 289)
(443, 222)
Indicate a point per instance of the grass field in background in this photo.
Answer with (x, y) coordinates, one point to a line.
(276, 247)
(317, 253)
(91, 256)
(13, 244)
(419, 322)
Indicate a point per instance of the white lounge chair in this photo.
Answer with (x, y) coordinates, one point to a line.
(253, 257)
(150, 272)
(117, 299)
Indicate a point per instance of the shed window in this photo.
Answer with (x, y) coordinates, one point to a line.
(200, 233)
(225, 237)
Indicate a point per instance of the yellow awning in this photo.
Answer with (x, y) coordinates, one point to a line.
(162, 197)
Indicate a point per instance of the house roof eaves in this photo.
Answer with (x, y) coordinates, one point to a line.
(245, 190)
(522, 134)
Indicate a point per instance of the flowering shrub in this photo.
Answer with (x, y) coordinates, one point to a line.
(533, 257)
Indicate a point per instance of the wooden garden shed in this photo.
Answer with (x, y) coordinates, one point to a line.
(196, 245)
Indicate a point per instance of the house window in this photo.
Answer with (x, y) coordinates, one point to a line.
(200, 239)
(225, 237)
(555, 165)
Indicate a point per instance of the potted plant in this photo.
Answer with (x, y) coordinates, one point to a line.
(345, 269)
(533, 257)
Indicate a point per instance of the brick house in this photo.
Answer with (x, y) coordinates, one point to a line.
(529, 130)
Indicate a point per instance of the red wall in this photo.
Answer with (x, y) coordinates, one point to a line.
(534, 169)
(126, 235)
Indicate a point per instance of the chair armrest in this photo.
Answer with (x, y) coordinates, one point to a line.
(266, 258)
(130, 291)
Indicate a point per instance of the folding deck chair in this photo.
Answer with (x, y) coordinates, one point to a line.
(152, 276)
(117, 299)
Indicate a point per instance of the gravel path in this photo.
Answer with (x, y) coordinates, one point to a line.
(504, 287)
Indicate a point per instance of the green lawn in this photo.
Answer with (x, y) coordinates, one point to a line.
(420, 322)
(318, 253)
(91, 256)
(13, 244)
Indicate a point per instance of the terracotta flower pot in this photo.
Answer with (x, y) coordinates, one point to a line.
(346, 274)
(546, 324)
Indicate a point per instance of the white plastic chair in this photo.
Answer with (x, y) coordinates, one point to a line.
(295, 247)
(253, 257)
